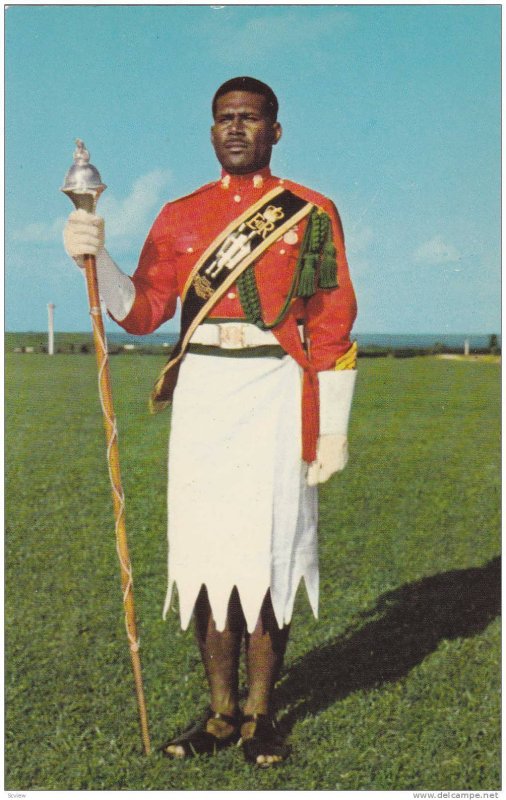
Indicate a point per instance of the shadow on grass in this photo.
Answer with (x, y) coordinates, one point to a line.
(404, 627)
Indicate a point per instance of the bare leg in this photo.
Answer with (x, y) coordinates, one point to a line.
(265, 650)
(220, 652)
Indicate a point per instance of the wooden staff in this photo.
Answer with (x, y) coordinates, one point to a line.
(111, 434)
(83, 186)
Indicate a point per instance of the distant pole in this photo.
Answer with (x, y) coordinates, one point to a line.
(466, 347)
(50, 338)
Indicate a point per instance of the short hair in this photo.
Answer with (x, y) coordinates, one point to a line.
(245, 84)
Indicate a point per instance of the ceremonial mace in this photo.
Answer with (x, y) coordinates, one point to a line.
(84, 186)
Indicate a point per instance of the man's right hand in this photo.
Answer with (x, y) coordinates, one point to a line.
(83, 234)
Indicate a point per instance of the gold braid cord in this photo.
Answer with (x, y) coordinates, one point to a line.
(111, 432)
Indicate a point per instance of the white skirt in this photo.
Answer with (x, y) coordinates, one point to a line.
(240, 511)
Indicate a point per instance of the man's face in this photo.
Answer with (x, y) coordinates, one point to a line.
(242, 134)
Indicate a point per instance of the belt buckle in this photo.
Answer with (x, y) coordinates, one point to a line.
(232, 337)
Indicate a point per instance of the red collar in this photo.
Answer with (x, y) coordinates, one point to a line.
(255, 180)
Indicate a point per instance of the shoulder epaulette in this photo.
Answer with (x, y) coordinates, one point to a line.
(311, 195)
(203, 188)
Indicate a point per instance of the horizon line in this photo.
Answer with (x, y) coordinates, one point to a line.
(355, 333)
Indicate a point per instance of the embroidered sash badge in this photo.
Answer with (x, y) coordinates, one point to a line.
(239, 245)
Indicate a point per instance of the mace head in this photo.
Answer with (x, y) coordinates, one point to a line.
(83, 183)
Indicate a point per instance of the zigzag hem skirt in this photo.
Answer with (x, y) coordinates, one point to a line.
(240, 512)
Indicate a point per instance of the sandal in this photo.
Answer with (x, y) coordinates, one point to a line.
(196, 740)
(266, 741)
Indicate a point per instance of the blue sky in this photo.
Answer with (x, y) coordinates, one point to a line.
(391, 110)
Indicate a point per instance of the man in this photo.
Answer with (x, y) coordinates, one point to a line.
(265, 373)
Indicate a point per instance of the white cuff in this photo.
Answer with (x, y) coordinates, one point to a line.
(116, 289)
(336, 394)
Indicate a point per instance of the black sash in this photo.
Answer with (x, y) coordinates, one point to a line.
(239, 245)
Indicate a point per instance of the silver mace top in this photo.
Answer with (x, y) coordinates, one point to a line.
(83, 183)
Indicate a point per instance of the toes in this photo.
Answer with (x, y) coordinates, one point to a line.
(266, 760)
(175, 750)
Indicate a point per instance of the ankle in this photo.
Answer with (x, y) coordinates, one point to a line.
(229, 707)
(253, 707)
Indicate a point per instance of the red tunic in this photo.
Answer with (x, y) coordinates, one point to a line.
(185, 228)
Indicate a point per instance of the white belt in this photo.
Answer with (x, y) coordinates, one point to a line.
(233, 335)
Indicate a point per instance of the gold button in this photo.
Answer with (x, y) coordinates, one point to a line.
(231, 295)
(237, 198)
(282, 252)
(189, 249)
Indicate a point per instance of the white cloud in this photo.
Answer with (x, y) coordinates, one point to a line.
(436, 251)
(125, 220)
(131, 217)
(40, 232)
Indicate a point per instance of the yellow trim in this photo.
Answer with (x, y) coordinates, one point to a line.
(349, 359)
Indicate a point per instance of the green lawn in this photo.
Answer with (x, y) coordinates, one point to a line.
(396, 686)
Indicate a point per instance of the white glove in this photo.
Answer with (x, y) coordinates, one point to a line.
(331, 457)
(336, 393)
(83, 235)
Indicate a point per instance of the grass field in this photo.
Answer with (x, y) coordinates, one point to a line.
(395, 687)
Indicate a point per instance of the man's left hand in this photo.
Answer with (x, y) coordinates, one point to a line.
(331, 457)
